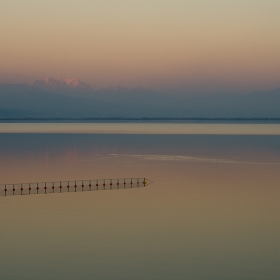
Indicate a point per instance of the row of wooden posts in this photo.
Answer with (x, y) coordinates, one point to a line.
(72, 186)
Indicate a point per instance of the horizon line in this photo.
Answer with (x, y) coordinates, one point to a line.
(138, 119)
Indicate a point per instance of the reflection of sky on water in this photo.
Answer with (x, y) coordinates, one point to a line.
(198, 220)
(186, 159)
(144, 128)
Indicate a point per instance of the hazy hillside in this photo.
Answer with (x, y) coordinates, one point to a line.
(70, 98)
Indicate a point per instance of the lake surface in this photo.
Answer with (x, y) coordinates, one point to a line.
(212, 211)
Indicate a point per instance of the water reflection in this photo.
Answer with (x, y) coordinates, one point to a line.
(186, 159)
(144, 128)
(202, 218)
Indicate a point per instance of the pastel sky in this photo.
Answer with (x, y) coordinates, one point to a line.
(167, 45)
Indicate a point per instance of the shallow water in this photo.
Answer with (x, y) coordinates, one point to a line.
(212, 211)
(145, 128)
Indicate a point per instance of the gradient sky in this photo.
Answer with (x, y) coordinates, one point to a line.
(167, 45)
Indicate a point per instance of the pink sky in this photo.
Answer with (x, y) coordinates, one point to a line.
(166, 45)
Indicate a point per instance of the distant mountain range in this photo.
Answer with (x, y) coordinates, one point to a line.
(56, 85)
(71, 98)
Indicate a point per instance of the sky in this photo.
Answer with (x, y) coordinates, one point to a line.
(178, 45)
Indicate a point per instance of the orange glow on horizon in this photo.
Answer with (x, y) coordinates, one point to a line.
(232, 46)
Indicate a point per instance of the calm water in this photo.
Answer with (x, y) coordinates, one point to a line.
(212, 211)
